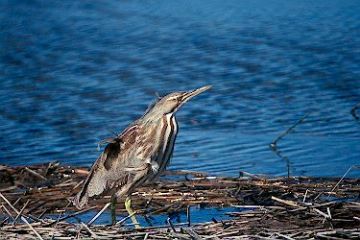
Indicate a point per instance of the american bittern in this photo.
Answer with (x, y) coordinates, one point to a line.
(138, 155)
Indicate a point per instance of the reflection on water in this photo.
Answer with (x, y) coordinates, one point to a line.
(73, 72)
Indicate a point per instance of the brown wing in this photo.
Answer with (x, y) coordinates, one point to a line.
(117, 167)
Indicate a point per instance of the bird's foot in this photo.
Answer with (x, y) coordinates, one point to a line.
(131, 213)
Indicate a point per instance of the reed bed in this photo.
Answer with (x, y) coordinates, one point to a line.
(267, 208)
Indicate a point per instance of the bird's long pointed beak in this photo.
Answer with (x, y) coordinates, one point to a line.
(188, 95)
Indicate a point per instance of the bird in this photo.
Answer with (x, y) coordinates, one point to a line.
(138, 155)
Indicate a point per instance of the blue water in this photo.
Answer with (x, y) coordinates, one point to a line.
(197, 215)
(74, 72)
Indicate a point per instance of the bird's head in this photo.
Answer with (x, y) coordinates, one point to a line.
(173, 101)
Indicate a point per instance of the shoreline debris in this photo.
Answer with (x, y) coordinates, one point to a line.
(268, 208)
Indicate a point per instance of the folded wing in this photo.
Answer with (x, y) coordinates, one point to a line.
(117, 167)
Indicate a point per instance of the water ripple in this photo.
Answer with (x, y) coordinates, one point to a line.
(72, 73)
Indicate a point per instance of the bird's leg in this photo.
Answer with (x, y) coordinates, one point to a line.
(131, 212)
(113, 209)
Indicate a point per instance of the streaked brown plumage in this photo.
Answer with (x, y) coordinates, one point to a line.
(140, 153)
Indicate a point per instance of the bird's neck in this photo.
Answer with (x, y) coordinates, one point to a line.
(155, 118)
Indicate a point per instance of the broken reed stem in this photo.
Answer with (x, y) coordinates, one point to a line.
(4, 221)
(341, 179)
(146, 236)
(98, 214)
(8, 212)
(89, 231)
(71, 215)
(17, 201)
(274, 147)
(35, 173)
(305, 195)
(188, 215)
(326, 216)
(125, 218)
(285, 236)
(287, 202)
(171, 224)
(21, 217)
(21, 211)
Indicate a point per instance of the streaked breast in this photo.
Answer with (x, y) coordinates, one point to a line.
(169, 130)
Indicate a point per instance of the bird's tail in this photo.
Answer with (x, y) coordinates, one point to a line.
(81, 199)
